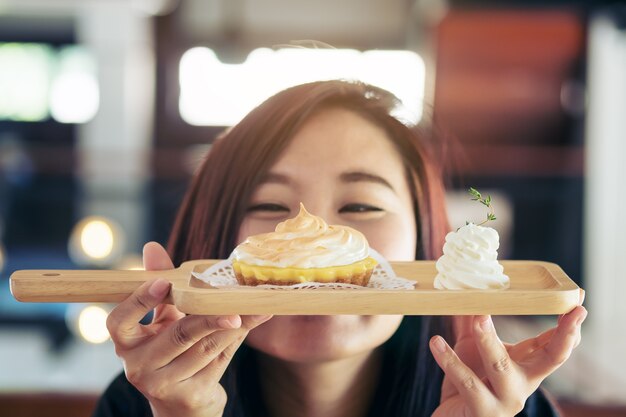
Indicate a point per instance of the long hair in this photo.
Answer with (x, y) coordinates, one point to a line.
(214, 207)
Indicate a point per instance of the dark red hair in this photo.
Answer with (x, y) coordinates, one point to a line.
(213, 209)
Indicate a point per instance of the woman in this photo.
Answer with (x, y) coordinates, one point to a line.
(335, 147)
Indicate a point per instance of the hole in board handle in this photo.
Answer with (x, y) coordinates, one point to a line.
(51, 275)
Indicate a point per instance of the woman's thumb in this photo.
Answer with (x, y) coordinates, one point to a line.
(155, 257)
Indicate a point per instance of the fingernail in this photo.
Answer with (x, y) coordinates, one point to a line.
(580, 319)
(159, 288)
(439, 344)
(229, 322)
(260, 318)
(485, 324)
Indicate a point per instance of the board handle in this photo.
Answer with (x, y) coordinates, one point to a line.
(80, 286)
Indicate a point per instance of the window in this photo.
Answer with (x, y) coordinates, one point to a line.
(213, 93)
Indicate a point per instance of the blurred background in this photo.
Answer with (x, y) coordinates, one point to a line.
(107, 106)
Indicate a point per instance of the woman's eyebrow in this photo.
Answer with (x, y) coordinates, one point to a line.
(275, 178)
(358, 176)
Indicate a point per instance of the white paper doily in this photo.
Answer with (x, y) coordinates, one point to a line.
(383, 277)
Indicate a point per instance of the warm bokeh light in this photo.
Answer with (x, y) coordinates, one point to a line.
(219, 94)
(96, 241)
(92, 324)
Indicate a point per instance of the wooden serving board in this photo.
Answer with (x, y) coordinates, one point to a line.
(536, 288)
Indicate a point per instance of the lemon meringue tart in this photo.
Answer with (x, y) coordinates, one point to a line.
(304, 249)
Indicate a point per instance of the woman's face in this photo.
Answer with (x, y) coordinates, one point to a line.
(346, 170)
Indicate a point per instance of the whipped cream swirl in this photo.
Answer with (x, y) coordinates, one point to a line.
(306, 241)
(470, 260)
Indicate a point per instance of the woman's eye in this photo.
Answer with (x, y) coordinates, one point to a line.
(358, 208)
(268, 207)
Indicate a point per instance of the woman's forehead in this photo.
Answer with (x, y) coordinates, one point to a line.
(339, 140)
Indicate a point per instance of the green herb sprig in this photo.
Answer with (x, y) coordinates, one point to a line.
(476, 196)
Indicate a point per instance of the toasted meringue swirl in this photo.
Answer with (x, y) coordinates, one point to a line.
(470, 260)
(305, 241)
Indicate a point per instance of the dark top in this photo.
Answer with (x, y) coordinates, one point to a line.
(121, 399)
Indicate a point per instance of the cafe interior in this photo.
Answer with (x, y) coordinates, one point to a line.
(108, 106)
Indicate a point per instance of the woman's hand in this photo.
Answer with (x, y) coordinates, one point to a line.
(176, 361)
(485, 377)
